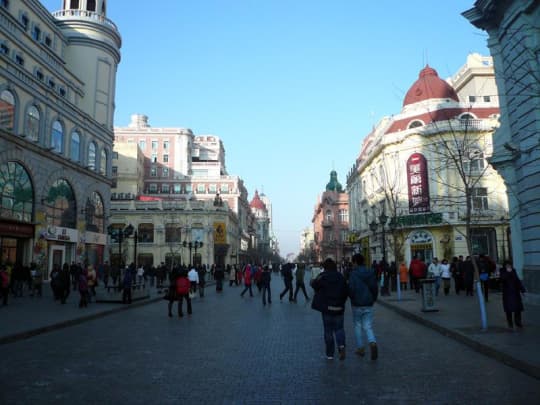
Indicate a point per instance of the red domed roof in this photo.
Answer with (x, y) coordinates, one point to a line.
(257, 202)
(429, 85)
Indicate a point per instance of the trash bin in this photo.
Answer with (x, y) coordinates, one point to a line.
(428, 295)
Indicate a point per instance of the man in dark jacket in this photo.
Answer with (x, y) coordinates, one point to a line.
(265, 284)
(363, 292)
(286, 272)
(330, 296)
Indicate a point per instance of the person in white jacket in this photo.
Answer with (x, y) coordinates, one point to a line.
(446, 276)
(434, 270)
(193, 277)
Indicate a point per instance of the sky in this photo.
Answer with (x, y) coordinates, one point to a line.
(291, 87)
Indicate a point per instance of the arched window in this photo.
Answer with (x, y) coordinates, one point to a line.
(328, 215)
(94, 214)
(91, 159)
(16, 192)
(75, 147)
(7, 110)
(32, 123)
(416, 124)
(475, 163)
(57, 137)
(103, 162)
(60, 205)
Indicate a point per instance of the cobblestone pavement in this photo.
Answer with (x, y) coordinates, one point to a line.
(233, 350)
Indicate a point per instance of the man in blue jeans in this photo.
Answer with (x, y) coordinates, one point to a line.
(329, 299)
(363, 292)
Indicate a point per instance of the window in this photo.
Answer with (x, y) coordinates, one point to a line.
(25, 21)
(165, 158)
(19, 60)
(177, 189)
(94, 214)
(57, 137)
(472, 99)
(91, 156)
(487, 99)
(224, 188)
(212, 189)
(165, 145)
(7, 110)
(173, 233)
(152, 188)
(415, 124)
(52, 84)
(36, 33)
(75, 147)
(32, 123)
(165, 172)
(39, 75)
(48, 41)
(343, 216)
(154, 158)
(201, 188)
(153, 171)
(62, 91)
(154, 145)
(114, 170)
(115, 155)
(16, 192)
(165, 188)
(146, 233)
(328, 215)
(103, 162)
(4, 49)
(91, 5)
(479, 198)
(142, 144)
(475, 164)
(189, 189)
(60, 205)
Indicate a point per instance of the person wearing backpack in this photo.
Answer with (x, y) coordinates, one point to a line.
(363, 292)
(182, 292)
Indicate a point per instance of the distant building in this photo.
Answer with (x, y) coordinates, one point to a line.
(513, 27)
(57, 88)
(331, 223)
(406, 188)
(262, 230)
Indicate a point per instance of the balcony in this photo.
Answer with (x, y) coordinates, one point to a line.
(86, 15)
(327, 223)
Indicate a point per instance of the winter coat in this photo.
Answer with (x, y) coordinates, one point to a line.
(330, 292)
(182, 285)
(363, 289)
(403, 273)
(247, 276)
(418, 268)
(511, 291)
(265, 278)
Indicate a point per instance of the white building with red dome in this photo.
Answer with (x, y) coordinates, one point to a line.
(407, 187)
(262, 228)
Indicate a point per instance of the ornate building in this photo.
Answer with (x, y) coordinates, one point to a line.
(262, 228)
(513, 27)
(172, 167)
(418, 172)
(57, 87)
(331, 223)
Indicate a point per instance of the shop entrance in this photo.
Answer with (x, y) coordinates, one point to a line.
(57, 256)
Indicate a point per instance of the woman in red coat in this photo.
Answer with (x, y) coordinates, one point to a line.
(512, 288)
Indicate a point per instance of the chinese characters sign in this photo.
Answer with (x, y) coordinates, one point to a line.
(417, 182)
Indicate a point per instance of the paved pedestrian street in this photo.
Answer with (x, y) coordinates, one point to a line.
(233, 350)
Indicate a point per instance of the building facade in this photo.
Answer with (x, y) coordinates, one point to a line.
(513, 28)
(57, 88)
(331, 223)
(172, 165)
(418, 172)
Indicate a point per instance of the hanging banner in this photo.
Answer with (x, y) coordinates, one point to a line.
(220, 236)
(417, 182)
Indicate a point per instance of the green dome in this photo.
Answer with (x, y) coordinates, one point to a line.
(334, 184)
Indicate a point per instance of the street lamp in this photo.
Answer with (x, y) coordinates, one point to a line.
(192, 245)
(120, 234)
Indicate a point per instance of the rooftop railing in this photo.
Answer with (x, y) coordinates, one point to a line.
(86, 15)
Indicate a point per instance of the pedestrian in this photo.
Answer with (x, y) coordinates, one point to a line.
(485, 270)
(329, 299)
(434, 271)
(257, 277)
(457, 275)
(266, 278)
(417, 269)
(4, 284)
(193, 277)
(106, 273)
(363, 292)
(115, 274)
(512, 288)
(127, 283)
(83, 289)
(64, 283)
(300, 284)
(92, 282)
(55, 281)
(182, 293)
(446, 276)
(37, 280)
(201, 271)
(403, 276)
(219, 275)
(287, 274)
(468, 276)
(247, 281)
(140, 274)
(232, 276)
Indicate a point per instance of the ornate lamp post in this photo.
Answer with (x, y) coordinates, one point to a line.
(192, 245)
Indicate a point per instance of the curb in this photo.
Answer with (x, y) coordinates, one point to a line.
(529, 369)
(71, 322)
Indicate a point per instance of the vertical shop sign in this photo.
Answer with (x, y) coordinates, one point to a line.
(417, 182)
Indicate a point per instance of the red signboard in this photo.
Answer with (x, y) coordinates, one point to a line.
(417, 183)
(17, 230)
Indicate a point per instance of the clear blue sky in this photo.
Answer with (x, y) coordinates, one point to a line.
(290, 86)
